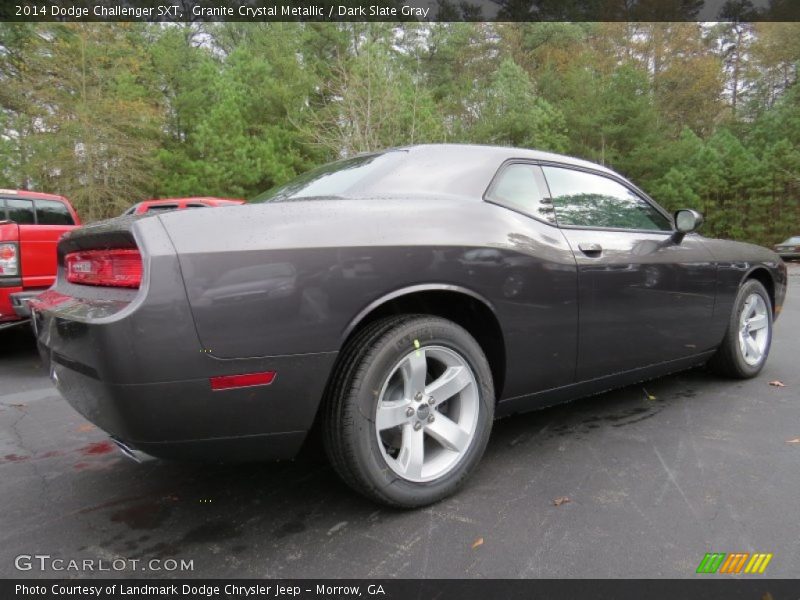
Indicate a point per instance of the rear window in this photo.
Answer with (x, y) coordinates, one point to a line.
(792, 240)
(341, 178)
(162, 207)
(52, 212)
(20, 211)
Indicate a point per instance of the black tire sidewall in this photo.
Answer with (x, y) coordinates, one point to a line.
(749, 288)
(393, 347)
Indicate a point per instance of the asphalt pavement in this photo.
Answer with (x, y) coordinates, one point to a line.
(640, 482)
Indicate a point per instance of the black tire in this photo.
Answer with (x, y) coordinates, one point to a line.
(350, 437)
(729, 359)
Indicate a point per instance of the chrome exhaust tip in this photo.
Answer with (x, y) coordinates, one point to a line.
(135, 455)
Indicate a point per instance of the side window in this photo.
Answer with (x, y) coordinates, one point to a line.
(588, 200)
(20, 211)
(52, 212)
(521, 187)
(161, 208)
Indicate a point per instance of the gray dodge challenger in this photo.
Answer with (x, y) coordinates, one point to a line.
(398, 302)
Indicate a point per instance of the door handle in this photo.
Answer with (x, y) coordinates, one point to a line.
(590, 249)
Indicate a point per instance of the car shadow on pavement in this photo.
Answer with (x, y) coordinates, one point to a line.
(17, 342)
(170, 509)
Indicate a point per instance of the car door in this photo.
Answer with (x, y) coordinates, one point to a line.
(644, 295)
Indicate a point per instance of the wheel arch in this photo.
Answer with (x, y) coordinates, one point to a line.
(461, 305)
(761, 274)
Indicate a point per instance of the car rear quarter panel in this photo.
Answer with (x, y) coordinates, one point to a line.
(130, 361)
(119, 334)
(292, 277)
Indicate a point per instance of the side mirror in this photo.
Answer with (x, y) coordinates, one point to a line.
(687, 221)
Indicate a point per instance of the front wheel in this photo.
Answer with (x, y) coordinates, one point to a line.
(410, 409)
(745, 348)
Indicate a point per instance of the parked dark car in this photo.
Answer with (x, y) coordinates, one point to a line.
(403, 299)
(789, 249)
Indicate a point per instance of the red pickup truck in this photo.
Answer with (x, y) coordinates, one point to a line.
(165, 204)
(30, 227)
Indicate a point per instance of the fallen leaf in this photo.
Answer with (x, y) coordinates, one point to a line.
(648, 395)
(476, 543)
(794, 441)
(85, 427)
(777, 383)
(561, 500)
(20, 405)
(337, 527)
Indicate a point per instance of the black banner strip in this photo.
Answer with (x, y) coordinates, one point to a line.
(710, 588)
(399, 10)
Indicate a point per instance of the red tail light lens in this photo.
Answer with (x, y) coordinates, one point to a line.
(116, 268)
(230, 382)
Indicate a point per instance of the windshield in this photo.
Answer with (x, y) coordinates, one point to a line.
(340, 178)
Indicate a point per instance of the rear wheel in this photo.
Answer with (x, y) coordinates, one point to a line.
(746, 345)
(409, 411)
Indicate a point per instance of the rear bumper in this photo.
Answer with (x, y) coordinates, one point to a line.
(7, 312)
(14, 302)
(789, 255)
(132, 364)
(20, 300)
(186, 419)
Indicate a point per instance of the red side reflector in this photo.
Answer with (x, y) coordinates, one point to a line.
(229, 382)
(120, 267)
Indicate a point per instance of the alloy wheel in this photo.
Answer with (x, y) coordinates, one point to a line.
(427, 413)
(753, 329)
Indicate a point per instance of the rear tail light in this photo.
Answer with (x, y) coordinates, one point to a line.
(115, 268)
(9, 260)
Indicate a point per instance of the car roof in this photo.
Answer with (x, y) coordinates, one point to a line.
(454, 170)
(501, 153)
(35, 195)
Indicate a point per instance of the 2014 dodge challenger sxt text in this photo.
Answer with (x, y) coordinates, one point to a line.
(404, 299)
